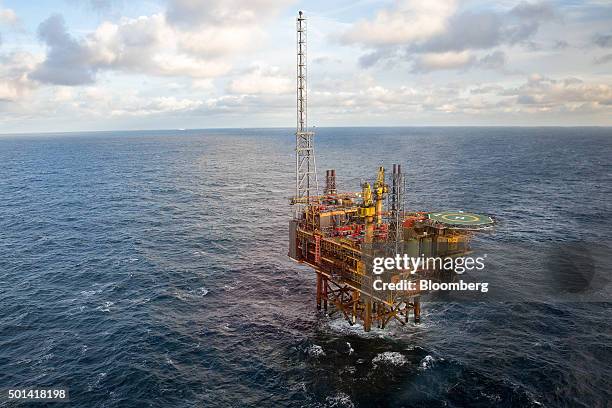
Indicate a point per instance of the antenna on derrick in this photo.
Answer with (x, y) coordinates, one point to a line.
(306, 181)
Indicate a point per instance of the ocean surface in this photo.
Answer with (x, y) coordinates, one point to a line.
(150, 269)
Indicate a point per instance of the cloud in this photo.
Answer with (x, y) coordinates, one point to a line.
(569, 93)
(101, 5)
(15, 65)
(327, 59)
(603, 40)
(430, 28)
(371, 58)
(458, 60)
(495, 60)
(216, 42)
(487, 29)
(145, 45)
(68, 60)
(157, 105)
(220, 27)
(441, 61)
(564, 98)
(189, 39)
(604, 59)
(195, 13)
(96, 102)
(408, 21)
(14, 81)
(486, 89)
(262, 80)
(8, 16)
(148, 45)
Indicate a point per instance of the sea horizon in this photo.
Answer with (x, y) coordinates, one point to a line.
(292, 129)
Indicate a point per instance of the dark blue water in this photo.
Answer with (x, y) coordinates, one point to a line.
(150, 269)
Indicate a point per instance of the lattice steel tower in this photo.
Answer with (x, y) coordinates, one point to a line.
(395, 205)
(306, 181)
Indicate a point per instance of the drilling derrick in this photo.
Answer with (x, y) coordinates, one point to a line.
(306, 182)
(338, 233)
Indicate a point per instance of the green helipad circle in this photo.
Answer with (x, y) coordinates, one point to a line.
(460, 218)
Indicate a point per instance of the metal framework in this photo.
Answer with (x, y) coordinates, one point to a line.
(330, 182)
(306, 181)
(396, 206)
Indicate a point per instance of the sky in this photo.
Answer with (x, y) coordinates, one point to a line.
(80, 65)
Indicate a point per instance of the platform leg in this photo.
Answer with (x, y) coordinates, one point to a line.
(355, 301)
(319, 290)
(325, 287)
(367, 318)
(417, 311)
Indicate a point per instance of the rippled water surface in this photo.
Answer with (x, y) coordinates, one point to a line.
(150, 269)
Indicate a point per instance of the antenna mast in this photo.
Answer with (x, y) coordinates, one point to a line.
(305, 164)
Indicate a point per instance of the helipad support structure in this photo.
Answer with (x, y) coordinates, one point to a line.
(461, 219)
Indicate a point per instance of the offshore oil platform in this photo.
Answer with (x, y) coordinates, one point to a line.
(336, 232)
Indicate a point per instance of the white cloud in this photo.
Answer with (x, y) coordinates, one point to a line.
(566, 98)
(139, 106)
(443, 32)
(8, 16)
(409, 20)
(63, 94)
(604, 59)
(196, 13)
(14, 81)
(446, 60)
(149, 45)
(96, 101)
(218, 42)
(544, 93)
(189, 39)
(458, 60)
(262, 80)
(144, 45)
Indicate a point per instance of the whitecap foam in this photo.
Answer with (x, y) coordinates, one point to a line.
(340, 325)
(393, 358)
(427, 362)
(340, 400)
(315, 351)
(96, 383)
(106, 307)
